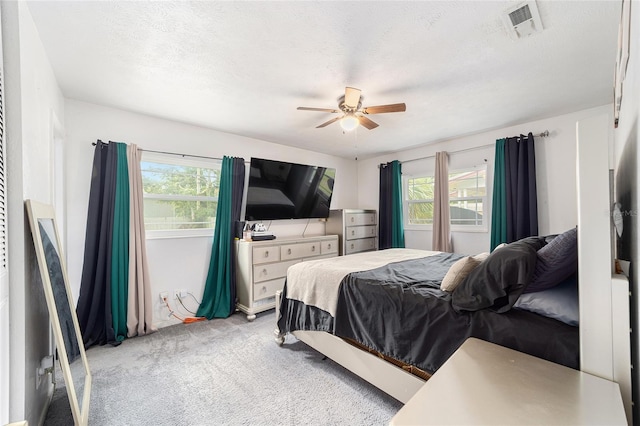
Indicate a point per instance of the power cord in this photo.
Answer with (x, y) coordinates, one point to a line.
(181, 310)
(187, 309)
(187, 320)
(194, 298)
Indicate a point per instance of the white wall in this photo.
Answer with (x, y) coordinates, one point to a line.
(176, 263)
(555, 170)
(5, 352)
(32, 98)
(626, 138)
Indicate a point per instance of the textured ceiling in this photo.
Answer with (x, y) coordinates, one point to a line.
(243, 67)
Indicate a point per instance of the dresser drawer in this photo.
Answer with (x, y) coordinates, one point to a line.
(363, 244)
(360, 219)
(267, 288)
(297, 251)
(266, 254)
(355, 232)
(328, 247)
(271, 271)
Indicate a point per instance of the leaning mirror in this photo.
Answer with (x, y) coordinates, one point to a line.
(70, 348)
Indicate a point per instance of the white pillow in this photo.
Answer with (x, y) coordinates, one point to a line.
(458, 272)
(482, 256)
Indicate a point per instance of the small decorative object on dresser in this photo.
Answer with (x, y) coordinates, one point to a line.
(262, 267)
(357, 229)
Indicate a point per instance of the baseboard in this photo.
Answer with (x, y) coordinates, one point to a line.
(167, 323)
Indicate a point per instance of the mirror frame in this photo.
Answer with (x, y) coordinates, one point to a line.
(37, 211)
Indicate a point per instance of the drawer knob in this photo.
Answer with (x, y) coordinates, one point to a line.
(266, 253)
(264, 289)
(353, 232)
(264, 271)
(352, 246)
(289, 251)
(313, 248)
(329, 246)
(353, 219)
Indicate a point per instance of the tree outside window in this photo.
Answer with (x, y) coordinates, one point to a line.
(179, 196)
(419, 199)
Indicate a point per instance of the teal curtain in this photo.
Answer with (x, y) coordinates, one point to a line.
(217, 298)
(397, 236)
(499, 204)
(390, 230)
(120, 247)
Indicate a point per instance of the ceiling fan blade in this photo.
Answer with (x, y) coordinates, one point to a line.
(351, 97)
(318, 109)
(367, 123)
(380, 109)
(326, 123)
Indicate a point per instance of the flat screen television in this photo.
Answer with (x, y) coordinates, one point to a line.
(281, 190)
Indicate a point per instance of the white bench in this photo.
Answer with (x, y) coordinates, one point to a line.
(483, 383)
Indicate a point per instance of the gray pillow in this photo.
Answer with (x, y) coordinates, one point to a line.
(498, 281)
(556, 262)
(559, 302)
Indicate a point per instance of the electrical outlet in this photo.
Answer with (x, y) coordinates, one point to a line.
(46, 368)
(180, 293)
(163, 295)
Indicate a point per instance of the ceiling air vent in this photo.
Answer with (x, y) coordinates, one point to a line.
(522, 20)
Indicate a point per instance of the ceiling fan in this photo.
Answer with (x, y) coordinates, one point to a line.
(353, 114)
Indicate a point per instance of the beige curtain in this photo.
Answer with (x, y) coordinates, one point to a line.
(441, 216)
(139, 310)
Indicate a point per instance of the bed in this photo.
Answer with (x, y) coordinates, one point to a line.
(391, 304)
(604, 341)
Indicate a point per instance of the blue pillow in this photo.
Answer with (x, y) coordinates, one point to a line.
(556, 262)
(560, 302)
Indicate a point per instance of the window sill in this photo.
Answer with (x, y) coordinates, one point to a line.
(171, 234)
(472, 229)
(456, 230)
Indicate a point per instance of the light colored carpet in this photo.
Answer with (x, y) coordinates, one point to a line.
(223, 372)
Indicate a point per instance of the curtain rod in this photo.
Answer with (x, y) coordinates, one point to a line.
(539, 135)
(171, 153)
(181, 155)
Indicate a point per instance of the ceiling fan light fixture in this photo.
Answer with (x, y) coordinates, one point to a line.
(349, 122)
(350, 105)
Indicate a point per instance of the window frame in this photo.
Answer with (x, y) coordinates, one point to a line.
(177, 160)
(484, 227)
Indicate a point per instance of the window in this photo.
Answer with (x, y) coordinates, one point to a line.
(467, 198)
(419, 200)
(180, 194)
(467, 195)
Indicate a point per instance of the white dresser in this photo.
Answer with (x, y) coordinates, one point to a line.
(262, 267)
(357, 229)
